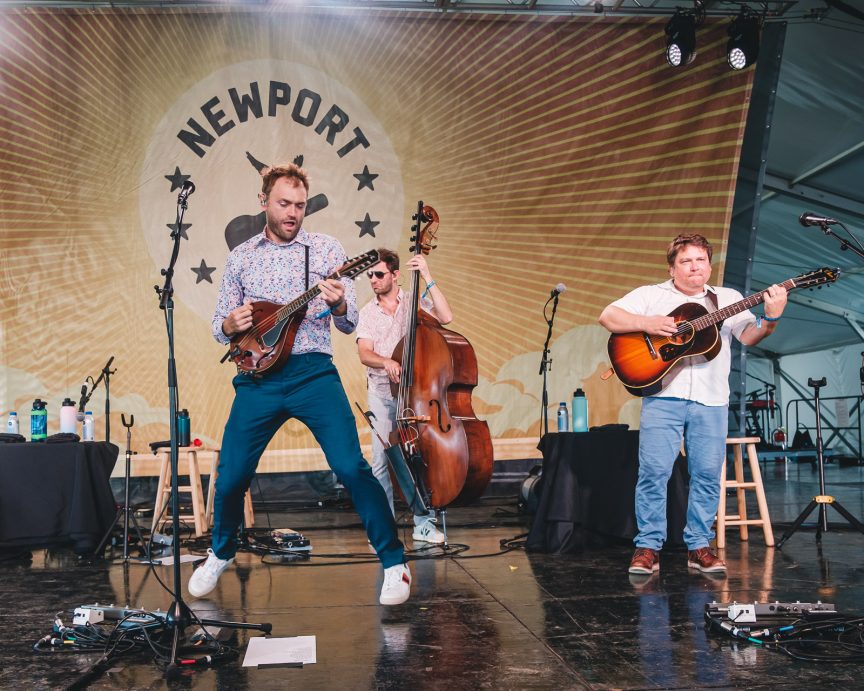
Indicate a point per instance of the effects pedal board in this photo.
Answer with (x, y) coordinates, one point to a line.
(97, 614)
(753, 612)
(288, 539)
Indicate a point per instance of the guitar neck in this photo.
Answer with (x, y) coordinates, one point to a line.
(712, 318)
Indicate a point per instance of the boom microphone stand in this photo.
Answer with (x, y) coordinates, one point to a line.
(821, 500)
(179, 616)
(546, 361)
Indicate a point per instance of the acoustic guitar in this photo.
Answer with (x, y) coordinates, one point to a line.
(641, 360)
(266, 345)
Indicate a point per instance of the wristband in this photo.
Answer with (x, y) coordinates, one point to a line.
(428, 288)
(771, 319)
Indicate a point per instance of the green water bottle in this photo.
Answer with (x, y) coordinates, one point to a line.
(39, 421)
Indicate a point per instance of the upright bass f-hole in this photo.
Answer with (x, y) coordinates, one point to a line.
(437, 405)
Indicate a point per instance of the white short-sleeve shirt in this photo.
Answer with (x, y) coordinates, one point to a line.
(693, 378)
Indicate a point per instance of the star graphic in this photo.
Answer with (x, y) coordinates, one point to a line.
(183, 228)
(365, 179)
(367, 226)
(203, 272)
(177, 179)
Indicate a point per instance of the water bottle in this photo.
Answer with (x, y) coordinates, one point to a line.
(87, 433)
(12, 425)
(580, 411)
(183, 428)
(68, 419)
(39, 421)
(563, 417)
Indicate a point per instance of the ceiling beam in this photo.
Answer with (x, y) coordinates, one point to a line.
(788, 188)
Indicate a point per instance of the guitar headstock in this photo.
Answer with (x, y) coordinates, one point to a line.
(357, 265)
(427, 233)
(817, 277)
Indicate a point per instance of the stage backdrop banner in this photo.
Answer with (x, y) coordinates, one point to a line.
(554, 149)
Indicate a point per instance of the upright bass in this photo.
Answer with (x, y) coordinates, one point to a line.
(447, 446)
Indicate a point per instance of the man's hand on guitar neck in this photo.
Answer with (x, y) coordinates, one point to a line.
(238, 320)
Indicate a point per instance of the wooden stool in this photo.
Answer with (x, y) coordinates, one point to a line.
(739, 485)
(189, 454)
(248, 512)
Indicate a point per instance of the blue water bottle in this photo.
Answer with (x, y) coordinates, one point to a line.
(183, 428)
(580, 411)
(563, 417)
(39, 421)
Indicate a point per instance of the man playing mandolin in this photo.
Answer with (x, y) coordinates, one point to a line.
(276, 266)
(692, 402)
(382, 325)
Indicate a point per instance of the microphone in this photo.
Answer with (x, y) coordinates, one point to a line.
(808, 218)
(81, 403)
(557, 290)
(188, 188)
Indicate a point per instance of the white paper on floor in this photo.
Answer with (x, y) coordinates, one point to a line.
(280, 651)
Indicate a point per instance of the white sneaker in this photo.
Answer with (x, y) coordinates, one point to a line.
(427, 532)
(397, 585)
(207, 575)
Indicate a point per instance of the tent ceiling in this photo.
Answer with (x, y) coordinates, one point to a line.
(815, 158)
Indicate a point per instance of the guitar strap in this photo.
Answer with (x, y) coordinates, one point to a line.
(306, 248)
(712, 299)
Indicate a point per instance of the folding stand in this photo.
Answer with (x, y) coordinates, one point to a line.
(125, 510)
(821, 500)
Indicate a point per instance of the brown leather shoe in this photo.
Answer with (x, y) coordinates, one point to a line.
(705, 560)
(644, 561)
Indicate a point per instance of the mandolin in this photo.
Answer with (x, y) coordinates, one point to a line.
(266, 345)
(641, 360)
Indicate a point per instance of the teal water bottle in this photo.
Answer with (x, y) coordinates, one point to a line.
(580, 411)
(39, 421)
(183, 428)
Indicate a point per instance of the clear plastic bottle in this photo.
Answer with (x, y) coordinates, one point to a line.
(87, 433)
(12, 424)
(563, 417)
(580, 411)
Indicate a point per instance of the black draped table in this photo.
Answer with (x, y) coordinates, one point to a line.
(588, 489)
(56, 494)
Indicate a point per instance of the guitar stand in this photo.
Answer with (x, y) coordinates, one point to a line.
(821, 500)
(125, 510)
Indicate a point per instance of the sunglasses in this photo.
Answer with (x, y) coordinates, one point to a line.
(377, 274)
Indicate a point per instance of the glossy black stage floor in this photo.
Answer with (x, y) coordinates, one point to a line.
(481, 619)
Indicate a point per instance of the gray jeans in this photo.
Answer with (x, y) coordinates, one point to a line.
(384, 411)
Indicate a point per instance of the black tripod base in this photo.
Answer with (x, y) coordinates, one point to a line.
(822, 501)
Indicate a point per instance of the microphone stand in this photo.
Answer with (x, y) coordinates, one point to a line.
(85, 397)
(844, 243)
(822, 500)
(179, 616)
(546, 365)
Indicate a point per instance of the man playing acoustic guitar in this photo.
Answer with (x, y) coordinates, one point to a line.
(276, 266)
(692, 402)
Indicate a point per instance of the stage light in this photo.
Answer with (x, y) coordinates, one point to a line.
(681, 39)
(742, 48)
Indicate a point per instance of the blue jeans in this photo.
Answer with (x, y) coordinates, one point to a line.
(663, 423)
(307, 388)
(384, 410)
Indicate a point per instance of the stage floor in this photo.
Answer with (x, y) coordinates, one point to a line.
(480, 619)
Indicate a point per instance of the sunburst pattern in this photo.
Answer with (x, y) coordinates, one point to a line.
(554, 149)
